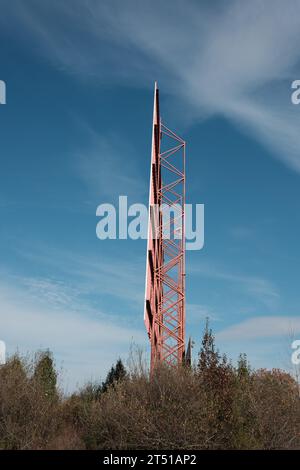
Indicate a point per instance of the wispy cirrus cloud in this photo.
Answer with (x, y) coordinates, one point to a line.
(54, 292)
(261, 327)
(37, 313)
(240, 232)
(231, 59)
(68, 308)
(102, 273)
(256, 287)
(266, 340)
(104, 167)
(198, 312)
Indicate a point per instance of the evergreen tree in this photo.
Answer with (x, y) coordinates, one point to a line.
(14, 368)
(16, 364)
(45, 374)
(209, 357)
(116, 374)
(243, 367)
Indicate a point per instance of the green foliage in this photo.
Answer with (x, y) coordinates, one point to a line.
(115, 375)
(209, 357)
(15, 369)
(45, 374)
(212, 406)
(243, 367)
(27, 418)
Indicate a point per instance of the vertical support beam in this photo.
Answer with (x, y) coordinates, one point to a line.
(164, 312)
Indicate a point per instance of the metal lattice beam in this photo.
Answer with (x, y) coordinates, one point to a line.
(165, 268)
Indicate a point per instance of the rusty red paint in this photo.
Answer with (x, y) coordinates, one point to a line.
(164, 312)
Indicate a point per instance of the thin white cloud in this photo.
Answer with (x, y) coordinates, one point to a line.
(197, 312)
(103, 274)
(257, 287)
(240, 232)
(261, 327)
(53, 291)
(236, 60)
(107, 166)
(87, 344)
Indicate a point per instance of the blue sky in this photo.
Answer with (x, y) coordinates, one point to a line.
(76, 132)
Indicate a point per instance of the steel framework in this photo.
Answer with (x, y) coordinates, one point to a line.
(164, 312)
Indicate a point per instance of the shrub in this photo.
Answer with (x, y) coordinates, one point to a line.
(211, 406)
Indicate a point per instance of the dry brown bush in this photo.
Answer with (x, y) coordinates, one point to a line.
(276, 405)
(177, 410)
(28, 419)
(211, 406)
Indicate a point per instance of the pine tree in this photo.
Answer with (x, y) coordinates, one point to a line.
(209, 357)
(45, 374)
(243, 367)
(116, 374)
(15, 368)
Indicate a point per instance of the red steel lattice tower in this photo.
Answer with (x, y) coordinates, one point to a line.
(164, 312)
